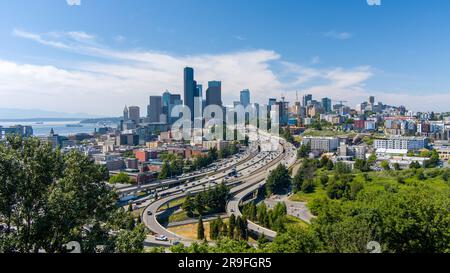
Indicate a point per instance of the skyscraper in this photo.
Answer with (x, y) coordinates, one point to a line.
(272, 102)
(372, 100)
(199, 90)
(326, 105)
(306, 98)
(125, 114)
(155, 108)
(189, 89)
(214, 93)
(134, 114)
(245, 97)
(175, 99)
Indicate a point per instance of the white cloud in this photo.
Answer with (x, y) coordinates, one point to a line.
(38, 38)
(338, 35)
(73, 2)
(130, 76)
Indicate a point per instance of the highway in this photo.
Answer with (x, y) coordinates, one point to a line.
(252, 172)
(227, 164)
(151, 220)
(253, 184)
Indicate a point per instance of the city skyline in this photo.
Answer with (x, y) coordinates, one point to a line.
(76, 67)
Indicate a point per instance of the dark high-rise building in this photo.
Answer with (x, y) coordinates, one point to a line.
(134, 113)
(326, 105)
(198, 90)
(245, 97)
(166, 103)
(155, 109)
(214, 93)
(306, 98)
(190, 89)
(283, 108)
(169, 101)
(372, 100)
(272, 102)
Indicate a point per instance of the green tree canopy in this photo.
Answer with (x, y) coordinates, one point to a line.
(52, 198)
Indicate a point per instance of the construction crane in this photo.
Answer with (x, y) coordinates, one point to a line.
(341, 102)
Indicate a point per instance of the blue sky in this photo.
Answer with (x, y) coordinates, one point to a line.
(102, 54)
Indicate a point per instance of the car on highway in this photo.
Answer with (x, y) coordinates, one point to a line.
(161, 238)
(149, 213)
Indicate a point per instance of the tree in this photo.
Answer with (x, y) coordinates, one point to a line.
(446, 175)
(288, 136)
(232, 223)
(224, 232)
(308, 186)
(340, 168)
(414, 165)
(337, 188)
(165, 171)
(433, 161)
(129, 154)
(200, 229)
(298, 240)
(421, 175)
(216, 227)
(330, 165)
(304, 151)
(241, 228)
(324, 162)
(411, 220)
(297, 183)
(188, 206)
(324, 180)
(213, 200)
(131, 241)
(278, 181)
(385, 165)
(213, 154)
(56, 198)
(362, 165)
(121, 178)
(355, 188)
(372, 159)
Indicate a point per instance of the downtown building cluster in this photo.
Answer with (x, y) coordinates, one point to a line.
(136, 144)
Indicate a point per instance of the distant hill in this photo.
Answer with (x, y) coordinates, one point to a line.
(29, 114)
(100, 120)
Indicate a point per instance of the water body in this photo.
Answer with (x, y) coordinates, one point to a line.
(42, 128)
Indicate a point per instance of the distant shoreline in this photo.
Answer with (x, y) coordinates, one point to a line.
(38, 119)
(81, 120)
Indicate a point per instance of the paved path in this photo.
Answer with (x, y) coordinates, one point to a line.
(296, 209)
(194, 220)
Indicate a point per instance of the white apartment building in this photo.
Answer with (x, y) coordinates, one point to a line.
(401, 143)
(322, 144)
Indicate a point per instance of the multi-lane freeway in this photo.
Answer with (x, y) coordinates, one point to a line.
(252, 172)
(254, 183)
(225, 165)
